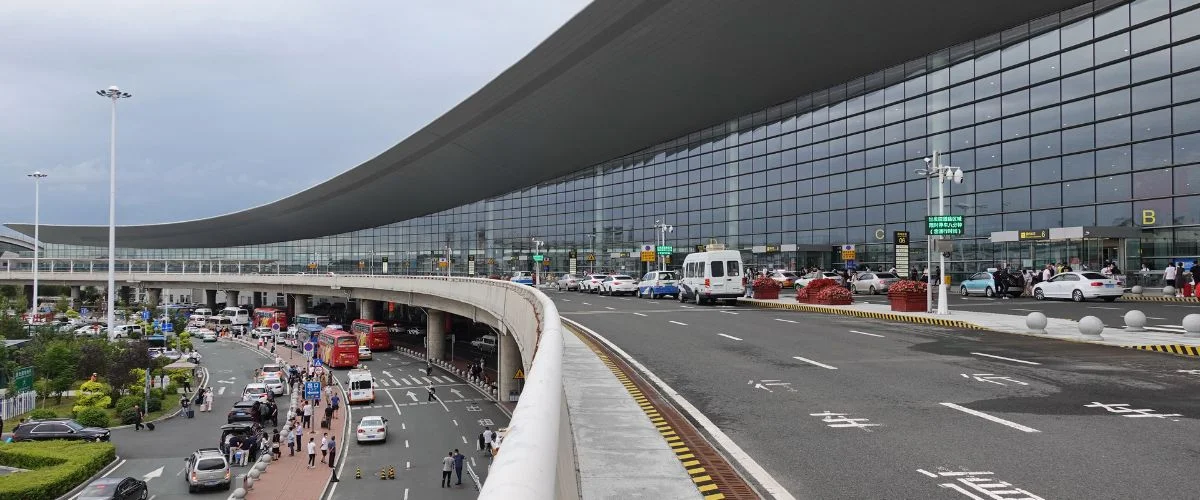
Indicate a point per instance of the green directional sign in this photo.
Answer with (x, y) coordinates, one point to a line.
(665, 250)
(538, 258)
(23, 382)
(944, 225)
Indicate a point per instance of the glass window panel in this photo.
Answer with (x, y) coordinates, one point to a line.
(1045, 69)
(1046, 196)
(1077, 32)
(1045, 218)
(1150, 37)
(1187, 179)
(1048, 170)
(1112, 76)
(1045, 145)
(1187, 149)
(1113, 160)
(938, 79)
(987, 63)
(914, 107)
(1187, 118)
(1079, 192)
(1079, 216)
(1077, 59)
(1044, 120)
(987, 156)
(1152, 125)
(1113, 188)
(1152, 154)
(1185, 25)
(987, 86)
(1151, 95)
(1112, 20)
(1112, 132)
(1043, 44)
(1113, 48)
(1077, 86)
(1016, 175)
(962, 116)
(1115, 214)
(1016, 102)
(1044, 95)
(1112, 104)
(1078, 112)
(962, 139)
(962, 71)
(1078, 166)
(1152, 183)
(1186, 87)
(962, 94)
(990, 177)
(1016, 150)
(1152, 65)
(1015, 78)
(1016, 199)
(988, 133)
(1145, 10)
(1017, 126)
(1015, 54)
(1188, 208)
(1186, 56)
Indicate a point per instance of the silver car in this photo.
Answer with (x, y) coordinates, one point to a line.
(567, 282)
(873, 283)
(206, 468)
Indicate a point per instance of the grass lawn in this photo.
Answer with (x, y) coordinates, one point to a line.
(64, 410)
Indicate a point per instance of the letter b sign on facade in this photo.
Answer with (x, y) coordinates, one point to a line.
(1149, 217)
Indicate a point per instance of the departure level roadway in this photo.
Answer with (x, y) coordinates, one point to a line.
(841, 407)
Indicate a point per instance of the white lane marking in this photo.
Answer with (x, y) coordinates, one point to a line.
(1178, 329)
(383, 382)
(784, 320)
(1152, 317)
(865, 333)
(464, 438)
(736, 452)
(394, 382)
(566, 300)
(624, 298)
(993, 418)
(472, 461)
(396, 405)
(427, 381)
(221, 391)
(406, 443)
(1106, 308)
(676, 322)
(585, 303)
(640, 314)
(927, 473)
(455, 422)
(728, 312)
(686, 307)
(1004, 358)
(1028, 310)
(729, 336)
(811, 362)
(405, 493)
(610, 308)
(403, 427)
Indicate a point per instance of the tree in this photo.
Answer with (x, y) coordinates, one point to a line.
(92, 395)
(94, 356)
(63, 305)
(59, 360)
(11, 326)
(128, 357)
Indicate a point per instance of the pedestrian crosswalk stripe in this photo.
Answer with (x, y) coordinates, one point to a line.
(383, 382)
(394, 382)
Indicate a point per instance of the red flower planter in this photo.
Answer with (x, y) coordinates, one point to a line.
(907, 301)
(766, 293)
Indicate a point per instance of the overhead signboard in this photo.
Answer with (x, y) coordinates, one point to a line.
(23, 382)
(665, 249)
(648, 256)
(1033, 235)
(944, 225)
(900, 237)
(538, 257)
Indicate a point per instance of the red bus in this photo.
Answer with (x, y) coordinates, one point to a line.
(264, 316)
(337, 348)
(372, 334)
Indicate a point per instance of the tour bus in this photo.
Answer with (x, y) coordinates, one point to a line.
(362, 386)
(311, 324)
(238, 315)
(711, 275)
(337, 348)
(372, 334)
(219, 323)
(199, 316)
(266, 316)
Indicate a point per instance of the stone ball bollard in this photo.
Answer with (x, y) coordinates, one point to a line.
(239, 493)
(248, 482)
(1135, 321)
(253, 474)
(1036, 322)
(1136, 290)
(1191, 325)
(1091, 327)
(266, 457)
(1169, 291)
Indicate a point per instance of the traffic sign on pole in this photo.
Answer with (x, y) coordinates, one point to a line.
(145, 315)
(275, 326)
(308, 347)
(23, 382)
(312, 390)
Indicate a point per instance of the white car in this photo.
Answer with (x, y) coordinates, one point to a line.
(485, 343)
(271, 369)
(262, 331)
(874, 283)
(275, 384)
(207, 335)
(1078, 286)
(591, 283)
(804, 280)
(371, 428)
(364, 352)
(618, 284)
(567, 282)
(256, 391)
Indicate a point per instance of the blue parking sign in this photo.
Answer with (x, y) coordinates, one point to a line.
(145, 315)
(312, 390)
(84, 311)
(169, 327)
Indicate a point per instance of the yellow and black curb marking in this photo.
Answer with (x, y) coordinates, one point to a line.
(952, 323)
(1182, 350)
(1130, 297)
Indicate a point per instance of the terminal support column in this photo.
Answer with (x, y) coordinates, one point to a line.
(510, 362)
(210, 299)
(257, 301)
(75, 294)
(299, 304)
(435, 339)
(32, 301)
(366, 308)
(231, 298)
(153, 296)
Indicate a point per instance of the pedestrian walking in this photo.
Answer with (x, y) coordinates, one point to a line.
(308, 411)
(324, 446)
(458, 465)
(447, 467)
(487, 438)
(335, 402)
(137, 424)
(208, 400)
(432, 390)
(312, 453)
(332, 451)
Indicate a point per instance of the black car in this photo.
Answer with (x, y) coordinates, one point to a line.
(59, 428)
(240, 429)
(115, 488)
(245, 411)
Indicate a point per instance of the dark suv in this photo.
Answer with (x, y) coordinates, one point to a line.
(245, 430)
(59, 428)
(245, 411)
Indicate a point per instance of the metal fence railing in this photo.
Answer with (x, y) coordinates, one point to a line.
(18, 405)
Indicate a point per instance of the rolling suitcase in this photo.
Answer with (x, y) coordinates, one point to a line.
(150, 425)
(191, 413)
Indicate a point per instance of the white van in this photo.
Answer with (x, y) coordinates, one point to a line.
(362, 386)
(237, 315)
(125, 331)
(708, 276)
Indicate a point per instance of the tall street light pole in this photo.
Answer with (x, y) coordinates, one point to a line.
(663, 229)
(112, 93)
(37, 242)
(943, 173)
(537, 264)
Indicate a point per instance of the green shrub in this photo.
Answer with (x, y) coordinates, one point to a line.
(92, 395)
(156, 393)
(155, 404)
(42, 413)
(92, 417)
(129, 416)
(127, 402)
(59, 466)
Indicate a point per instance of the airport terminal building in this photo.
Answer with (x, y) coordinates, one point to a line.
(1078, 133)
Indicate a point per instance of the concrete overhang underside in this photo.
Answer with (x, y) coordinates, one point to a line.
(619, 77)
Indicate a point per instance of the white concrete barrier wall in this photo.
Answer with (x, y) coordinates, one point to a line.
(537, 460)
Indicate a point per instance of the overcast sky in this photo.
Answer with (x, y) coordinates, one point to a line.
(235, 103)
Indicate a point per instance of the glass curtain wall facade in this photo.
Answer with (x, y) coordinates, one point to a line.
(1090, 117)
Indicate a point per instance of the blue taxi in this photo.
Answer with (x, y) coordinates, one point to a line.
(656, 284)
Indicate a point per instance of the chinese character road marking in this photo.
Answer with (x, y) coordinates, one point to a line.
(839, 420)
(1126, 411)
(486, 422)
(1192, 372)
(994, 379)
(766, 385)
(977, 487)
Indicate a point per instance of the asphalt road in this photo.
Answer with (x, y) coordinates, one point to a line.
(158, 456)
(839, 407)
(420, 433)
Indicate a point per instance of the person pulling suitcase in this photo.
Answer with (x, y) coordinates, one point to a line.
(186, 404)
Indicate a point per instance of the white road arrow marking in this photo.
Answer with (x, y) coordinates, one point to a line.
(386, 374)
(153, 474)
(993, 379)
(230, 381)
(411, 395)
(457, 393)
(784, 320)
(221, 391)
(1193, 372)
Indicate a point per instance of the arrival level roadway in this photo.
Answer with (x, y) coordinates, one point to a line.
(839, 407)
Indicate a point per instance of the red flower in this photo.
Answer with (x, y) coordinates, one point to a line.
(834, 293)
(909, 286)
(818, 284)
(765, 283)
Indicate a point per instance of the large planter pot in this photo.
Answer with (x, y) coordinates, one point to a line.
(766, 293)
(907, 302)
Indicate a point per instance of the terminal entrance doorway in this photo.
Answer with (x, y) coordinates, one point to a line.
(1083, 248)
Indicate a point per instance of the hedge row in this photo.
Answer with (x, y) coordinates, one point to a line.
(55, 467)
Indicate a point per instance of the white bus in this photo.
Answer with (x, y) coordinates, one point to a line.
(238, 315)
(362, 386)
